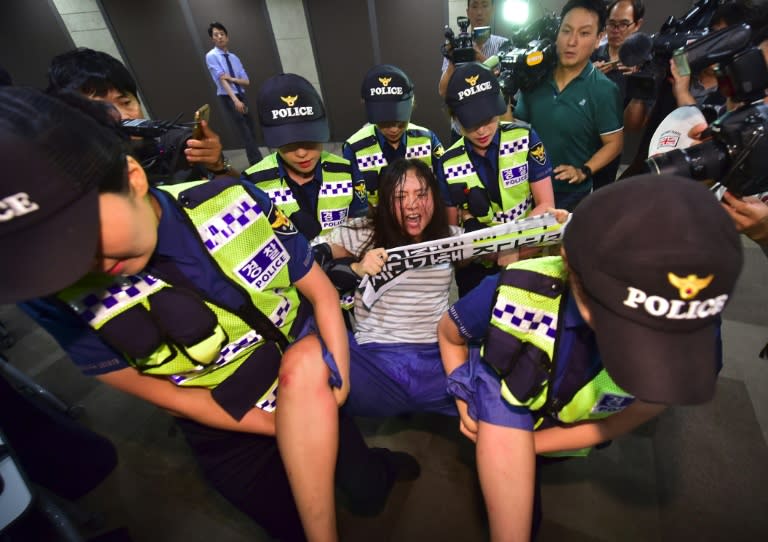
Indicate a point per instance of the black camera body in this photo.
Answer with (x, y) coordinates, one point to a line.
(652, 53)
(737, 154)
(529, 56)
(159, 146)
(459, 49)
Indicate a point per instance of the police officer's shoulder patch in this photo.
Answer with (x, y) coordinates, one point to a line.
(280, 222)
(538, 153)
(359, 189)
(438, 151)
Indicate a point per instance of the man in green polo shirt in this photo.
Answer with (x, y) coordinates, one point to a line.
(577, 110)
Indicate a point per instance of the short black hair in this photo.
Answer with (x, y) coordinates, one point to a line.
(93, 73)
(638, 8)
(217, 26)
(732, 13)
(470, 1)
(595, 6)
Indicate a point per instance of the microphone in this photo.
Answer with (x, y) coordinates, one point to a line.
(636, 49)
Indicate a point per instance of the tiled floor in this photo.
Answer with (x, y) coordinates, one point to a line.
(694, 474)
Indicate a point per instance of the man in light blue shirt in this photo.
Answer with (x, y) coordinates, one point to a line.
(230, 78)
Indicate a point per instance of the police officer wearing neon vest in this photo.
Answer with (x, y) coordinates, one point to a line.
(194, 297)
(313, 187)
(498, 171)
(388, 95)
(585, 347)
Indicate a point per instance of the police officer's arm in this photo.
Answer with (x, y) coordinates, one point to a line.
(454, 353)
(194, 403)
(588, 434)
(543, 196)
(317, 288)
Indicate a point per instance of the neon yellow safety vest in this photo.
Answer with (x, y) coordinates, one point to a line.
(516, 197)
(370, 156)
(521, 341)
(239, 236)
(334, 198)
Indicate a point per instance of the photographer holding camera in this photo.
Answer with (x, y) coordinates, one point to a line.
(576, 110)
(99, 76)
(480, 14)
(749, 213)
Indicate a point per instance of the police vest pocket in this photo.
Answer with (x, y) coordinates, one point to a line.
(188, 322)
(251, 383)
(306, 224)
(371, 181)
(522, 366)
(133, 332)
(478, 202)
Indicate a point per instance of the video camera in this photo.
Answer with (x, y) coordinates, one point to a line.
(159, 146)
(737, 154)
(528, 56)
(652, 53)
(458, 49)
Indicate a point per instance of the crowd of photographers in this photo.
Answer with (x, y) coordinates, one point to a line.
(538, 124)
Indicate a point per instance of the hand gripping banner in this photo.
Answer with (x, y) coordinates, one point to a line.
(535, 231)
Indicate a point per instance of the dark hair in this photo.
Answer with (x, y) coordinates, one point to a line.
(387, 230)
(93, 73)
(80, 138)
(470, 1)
(732, 13)
(638, 8)
(217, 26)
(595, 6)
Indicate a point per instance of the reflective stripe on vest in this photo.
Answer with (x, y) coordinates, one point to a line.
(334, 198)
(530, 317)
(370, 157)
(239, 237)
(516, 197)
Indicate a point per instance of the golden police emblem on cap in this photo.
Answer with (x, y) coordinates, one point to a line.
(690, 286)
(289, 100)
(472, 80)
(385, 80)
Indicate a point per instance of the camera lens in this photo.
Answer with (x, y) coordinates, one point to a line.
(700, 162)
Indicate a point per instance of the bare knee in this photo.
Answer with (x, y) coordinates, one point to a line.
(302, 369)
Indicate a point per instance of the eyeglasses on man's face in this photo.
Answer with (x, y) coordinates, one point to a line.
(619, 25)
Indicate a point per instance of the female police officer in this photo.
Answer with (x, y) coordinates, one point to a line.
(587, 346)
(189, 297)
